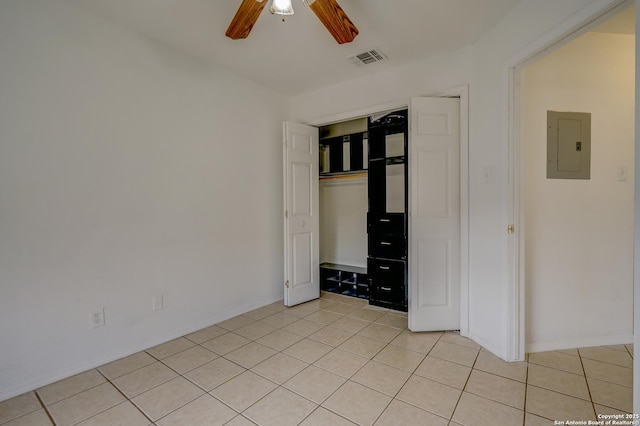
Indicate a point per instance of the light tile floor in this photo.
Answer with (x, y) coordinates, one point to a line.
(332, 361)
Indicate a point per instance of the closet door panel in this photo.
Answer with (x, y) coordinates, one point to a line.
(433, 183)
(301, 213)
(435, 257)
(434, 223)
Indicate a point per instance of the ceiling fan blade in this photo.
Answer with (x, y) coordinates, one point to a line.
(334, 19)
(245, 18)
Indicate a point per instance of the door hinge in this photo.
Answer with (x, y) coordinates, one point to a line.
(510, 229)
(286, 214)
(286, 283)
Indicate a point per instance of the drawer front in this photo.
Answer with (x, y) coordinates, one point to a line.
(387, 246)
(386, 223)
(386, 272)
(387, 281)
(386, 294)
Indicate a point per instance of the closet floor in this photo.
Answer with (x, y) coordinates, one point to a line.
(332, 361)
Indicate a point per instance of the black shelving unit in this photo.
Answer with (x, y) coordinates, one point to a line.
(344, 279)
(387, 225)
(336, 163)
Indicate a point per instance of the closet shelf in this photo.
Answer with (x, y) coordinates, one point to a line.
(344, 268)
(390, 161)
(344, 175)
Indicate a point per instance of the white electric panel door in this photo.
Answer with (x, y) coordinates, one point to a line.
(568, 145)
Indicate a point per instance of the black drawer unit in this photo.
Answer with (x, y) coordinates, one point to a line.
(387, 246)
(386, 223)
(387, 280)
(387, 219)
(389, 272)
(388, 296)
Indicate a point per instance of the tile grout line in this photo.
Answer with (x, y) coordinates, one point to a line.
(629, 351)
(349, 378)
(280, 386)
(465, 385)
(70, 396)
(370, 360)
(584, 375)
(450, 420)
(413, 374)
(318, 408)
(311, 364)
(178, 374)
(127, 399)
(44, 407)
(526, 391)
(584, 372)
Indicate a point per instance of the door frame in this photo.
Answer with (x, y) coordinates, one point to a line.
(461, 92)
(572, 28)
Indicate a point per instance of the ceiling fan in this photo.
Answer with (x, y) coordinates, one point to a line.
(328, 11)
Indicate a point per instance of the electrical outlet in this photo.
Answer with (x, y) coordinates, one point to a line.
(157, 302)
(97, 318)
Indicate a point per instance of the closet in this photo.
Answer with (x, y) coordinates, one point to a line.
(363, 209)
(372, 209)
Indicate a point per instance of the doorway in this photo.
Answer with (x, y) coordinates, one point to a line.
(462, 95)
(573, 256)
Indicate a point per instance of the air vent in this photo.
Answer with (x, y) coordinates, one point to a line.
(369, 57)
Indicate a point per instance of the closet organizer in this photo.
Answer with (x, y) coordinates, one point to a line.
(374, 149)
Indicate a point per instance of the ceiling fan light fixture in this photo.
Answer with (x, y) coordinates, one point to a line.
(281, 7)
(329, 12)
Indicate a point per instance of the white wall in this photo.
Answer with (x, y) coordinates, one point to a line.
(344, 204)
(485, 66)
(116, 156)
(127, 170)
(530, 27)
(395, 85)
(579, 233)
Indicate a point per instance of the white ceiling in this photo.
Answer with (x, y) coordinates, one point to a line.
(299, 55)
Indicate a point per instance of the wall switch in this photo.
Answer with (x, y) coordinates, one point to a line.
(157, 302)
(97, 318)
(622, 174)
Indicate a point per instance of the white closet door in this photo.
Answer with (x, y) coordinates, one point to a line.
(301, 220)
(434, 220)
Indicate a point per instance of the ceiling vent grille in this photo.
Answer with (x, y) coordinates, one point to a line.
(369, 57)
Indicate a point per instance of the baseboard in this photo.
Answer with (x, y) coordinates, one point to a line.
(581, 342)
(77, 369)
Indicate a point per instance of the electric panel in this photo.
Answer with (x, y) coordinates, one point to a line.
(568, 145)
